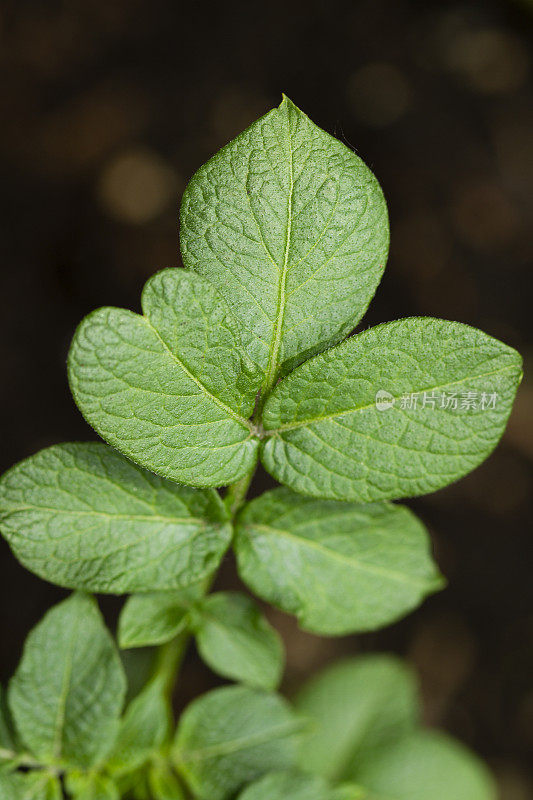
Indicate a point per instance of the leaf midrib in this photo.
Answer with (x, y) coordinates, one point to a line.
(342, 557)
(237, 417)
(268, 432)
(272, 367)
(241, 742)
(130, 517)
(63, 697)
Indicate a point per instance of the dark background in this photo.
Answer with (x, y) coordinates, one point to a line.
(108, 108)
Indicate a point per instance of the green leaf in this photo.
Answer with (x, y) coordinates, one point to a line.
(350, 791)
(425, 765)
(83, 516)
(327, 436)
(289, 786)
(139, 669)
(47, 789)
(171, 389)
(340, 567)
(236, 641)
(134, 785)
(291, 227)
(355, 707)
(365, 717)
(143, 729)
(10, 786)
(36, 785)
(156, 618)
(92, 787)
(230, 737)
(68, 690)
(163, 784)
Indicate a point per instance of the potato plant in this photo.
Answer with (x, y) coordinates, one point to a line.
(245, 356)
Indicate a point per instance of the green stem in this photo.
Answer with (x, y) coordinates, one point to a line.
(236, 493)
(170, 655)
(168, 661)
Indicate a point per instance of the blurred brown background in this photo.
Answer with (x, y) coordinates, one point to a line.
(108, 108)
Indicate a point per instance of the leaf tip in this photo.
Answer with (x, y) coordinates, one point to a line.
(287, 104)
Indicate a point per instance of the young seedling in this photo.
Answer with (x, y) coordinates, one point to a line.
(242, 357)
